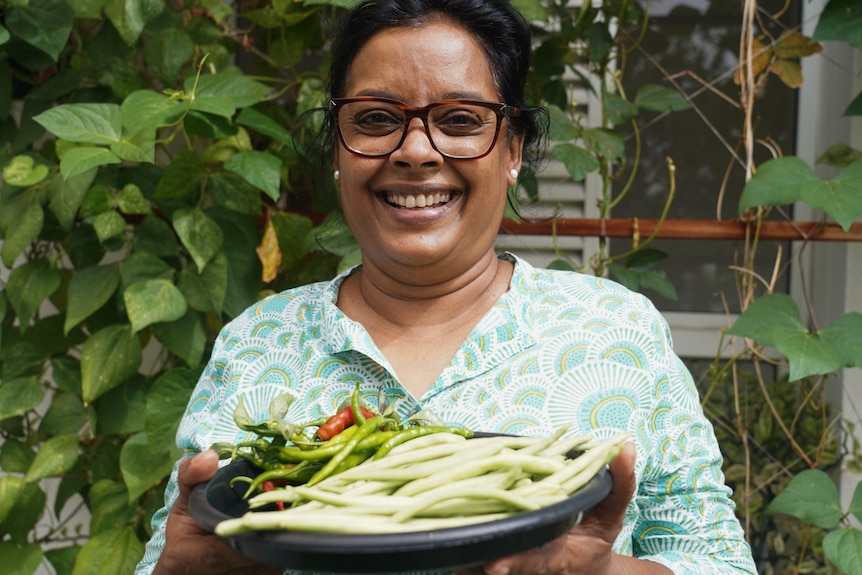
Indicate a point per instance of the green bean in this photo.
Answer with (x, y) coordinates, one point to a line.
(456, 492)
(529, 463)
(416, 432)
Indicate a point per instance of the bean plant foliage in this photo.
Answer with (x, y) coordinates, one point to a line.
(150, 192)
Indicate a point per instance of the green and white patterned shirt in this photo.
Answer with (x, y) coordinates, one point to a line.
(559, 348)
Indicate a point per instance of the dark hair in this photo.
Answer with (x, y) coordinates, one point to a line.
(499, 28)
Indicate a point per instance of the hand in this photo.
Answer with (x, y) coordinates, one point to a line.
(191, 550)
(587, 548)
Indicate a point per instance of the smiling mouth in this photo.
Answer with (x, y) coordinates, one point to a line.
(414, 201)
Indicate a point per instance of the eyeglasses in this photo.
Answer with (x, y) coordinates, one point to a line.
(458, 129)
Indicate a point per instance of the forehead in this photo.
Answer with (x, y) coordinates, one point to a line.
(421, 64)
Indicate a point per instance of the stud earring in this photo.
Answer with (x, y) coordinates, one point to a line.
(337, 175)
(514, 173)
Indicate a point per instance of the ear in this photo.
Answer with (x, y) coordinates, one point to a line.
(515, 146)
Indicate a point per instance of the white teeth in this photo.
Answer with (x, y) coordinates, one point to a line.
(417, 201)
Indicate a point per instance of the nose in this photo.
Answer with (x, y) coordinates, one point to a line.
(416, 149)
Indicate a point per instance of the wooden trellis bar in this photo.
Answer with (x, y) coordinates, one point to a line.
(684, 229)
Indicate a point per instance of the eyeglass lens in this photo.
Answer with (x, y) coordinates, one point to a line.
(458, 130)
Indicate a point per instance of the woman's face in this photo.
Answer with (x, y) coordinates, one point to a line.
(463, 200)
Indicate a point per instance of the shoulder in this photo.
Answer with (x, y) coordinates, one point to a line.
(305, 305)
(553, 287)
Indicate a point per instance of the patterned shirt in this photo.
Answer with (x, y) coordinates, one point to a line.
(558, 348)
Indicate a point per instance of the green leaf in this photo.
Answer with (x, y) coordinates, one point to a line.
(841, 20)
(843, 549)
(44, 24)
(658, 281)
(855, 508)
(660, 99)
(153, 301)
(155, 236)
(806, 353)
(146, 110)
(62, 559)
(840, 156)
(24, 560)
(115, 551)
(79, 160)
(206, 291)
(221, 94)
(142, 468)
(109, 505)
(855, 107)
(66, 416)
(577, 161)
(166, 403)
(29, 285)
(605, 143)
(109, 225)
(201, 236)
(15, 457)
(98, 199)
(186, 337)
(25, 512)
(561, 128)
(83, 123)
(182, 177)
(532, 10)
(88, 8)
(844, 336)
(260, 169)
(766, 316)
(55, 457)
(810, 496)
(22, 217)
(19, 395)
(782, 181)
(110, 356)
(66, 195)
(10, 489)
(144, 266)
(263, 124)
(130, 200)
(244, 273)
(121, 410)
(618, 110)
(22, 171)
(778, 182)
(599, 40)
(129, 18)
(89, 289)
(167, 51)
(138, 147)
(292, 231)
(841, 198)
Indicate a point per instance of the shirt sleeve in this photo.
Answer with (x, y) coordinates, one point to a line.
(685, 517)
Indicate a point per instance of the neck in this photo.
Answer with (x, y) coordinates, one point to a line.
(415, 300)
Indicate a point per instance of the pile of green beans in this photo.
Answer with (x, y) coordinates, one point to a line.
(434, 481)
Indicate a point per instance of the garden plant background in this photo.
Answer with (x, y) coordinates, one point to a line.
(155, 182)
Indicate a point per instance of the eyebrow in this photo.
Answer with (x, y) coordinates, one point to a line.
(446, 96)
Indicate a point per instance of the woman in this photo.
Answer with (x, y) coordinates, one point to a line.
(430, 128)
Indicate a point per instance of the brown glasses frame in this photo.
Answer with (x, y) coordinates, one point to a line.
(501, 110)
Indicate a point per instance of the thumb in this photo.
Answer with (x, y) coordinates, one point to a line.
(622, 470)
(192, 471)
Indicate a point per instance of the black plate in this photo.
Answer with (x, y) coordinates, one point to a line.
(215, 501)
